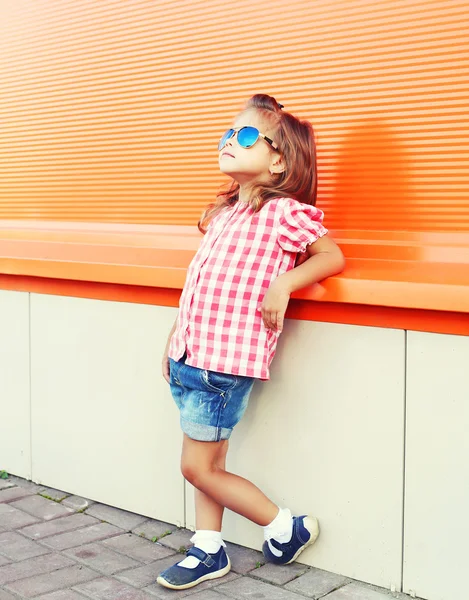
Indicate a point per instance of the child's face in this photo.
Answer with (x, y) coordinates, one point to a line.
(248, 165)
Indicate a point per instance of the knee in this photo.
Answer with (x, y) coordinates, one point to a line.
(193, 472)
(188, 469)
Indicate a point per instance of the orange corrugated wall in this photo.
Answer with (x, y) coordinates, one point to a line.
(111, 110)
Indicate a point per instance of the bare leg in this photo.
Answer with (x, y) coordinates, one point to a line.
(200, 467)
(208, 513)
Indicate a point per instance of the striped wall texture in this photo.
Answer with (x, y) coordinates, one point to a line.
(111, 110)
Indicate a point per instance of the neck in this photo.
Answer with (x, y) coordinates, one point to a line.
(244, 192)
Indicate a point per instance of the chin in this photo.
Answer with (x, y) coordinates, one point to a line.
(227, 171)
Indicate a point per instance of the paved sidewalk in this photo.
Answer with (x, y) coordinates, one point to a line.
(55, 546)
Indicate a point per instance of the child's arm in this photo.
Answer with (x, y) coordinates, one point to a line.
(325, 259)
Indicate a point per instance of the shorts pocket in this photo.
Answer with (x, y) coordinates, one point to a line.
(173, 372)
(218, 382)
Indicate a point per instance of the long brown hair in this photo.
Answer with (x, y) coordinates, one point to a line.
(296, 144)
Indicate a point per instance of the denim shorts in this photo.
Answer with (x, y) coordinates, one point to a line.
(210, 403)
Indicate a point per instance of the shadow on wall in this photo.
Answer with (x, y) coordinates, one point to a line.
(372, 185)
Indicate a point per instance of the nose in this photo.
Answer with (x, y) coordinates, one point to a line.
(228, 145)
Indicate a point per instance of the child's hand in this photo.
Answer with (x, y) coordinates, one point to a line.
(274, 306)
(165, 367)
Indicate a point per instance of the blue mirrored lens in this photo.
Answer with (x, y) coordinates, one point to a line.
(248, 136)
(226, 136)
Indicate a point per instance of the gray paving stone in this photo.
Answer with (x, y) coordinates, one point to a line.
(12, 518)
(7, 596)
(316, 583)
(357, 591)
(247, 587)
(105, 588)
(57, 495)
(14, 493)
(207, 595)
(153, 528)
(61, 595)
(115, 516)
(279, 574)
(138, 548)
(4, 561)
(243, 559)
(33, 566)
(17, 547)
(86, 535)
(6, 483)
(26, 483)
(162, 593)
(56, 526)
(102, 559)
(141, 577)
(77, 502)
(50, 582)
(179, 538)
(42, 508)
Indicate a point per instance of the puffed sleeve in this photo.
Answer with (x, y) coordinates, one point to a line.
(300, 225)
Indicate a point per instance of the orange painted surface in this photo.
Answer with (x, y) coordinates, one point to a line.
(111, 111)
(353, 314)
(108, 145)
(411, 271)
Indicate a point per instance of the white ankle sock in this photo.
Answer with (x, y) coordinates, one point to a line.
(281, 529)
(208, 541)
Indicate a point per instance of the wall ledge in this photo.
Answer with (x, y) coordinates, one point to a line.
(427, 271)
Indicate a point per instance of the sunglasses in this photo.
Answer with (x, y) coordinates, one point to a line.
(247, 137)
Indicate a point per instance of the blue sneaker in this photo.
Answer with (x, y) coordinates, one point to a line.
(305, 533)
(211, 566)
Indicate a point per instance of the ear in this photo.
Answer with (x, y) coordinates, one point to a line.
(277, 164)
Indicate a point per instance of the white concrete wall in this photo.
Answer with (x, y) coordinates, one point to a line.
(103, 421)
(437, 466)
(15, 414)
(326, 435)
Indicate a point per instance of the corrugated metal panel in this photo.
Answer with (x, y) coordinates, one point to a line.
(111, 110)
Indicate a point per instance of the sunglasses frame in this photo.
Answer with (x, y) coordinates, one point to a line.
(235, 131)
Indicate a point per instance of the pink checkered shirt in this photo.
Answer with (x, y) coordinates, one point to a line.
(219, 323)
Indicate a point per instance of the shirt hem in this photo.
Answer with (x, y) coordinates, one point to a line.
(263, 376)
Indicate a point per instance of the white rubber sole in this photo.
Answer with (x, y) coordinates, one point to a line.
(214, 575)
(312, 525)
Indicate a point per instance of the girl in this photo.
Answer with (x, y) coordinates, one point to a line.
(231, 314)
